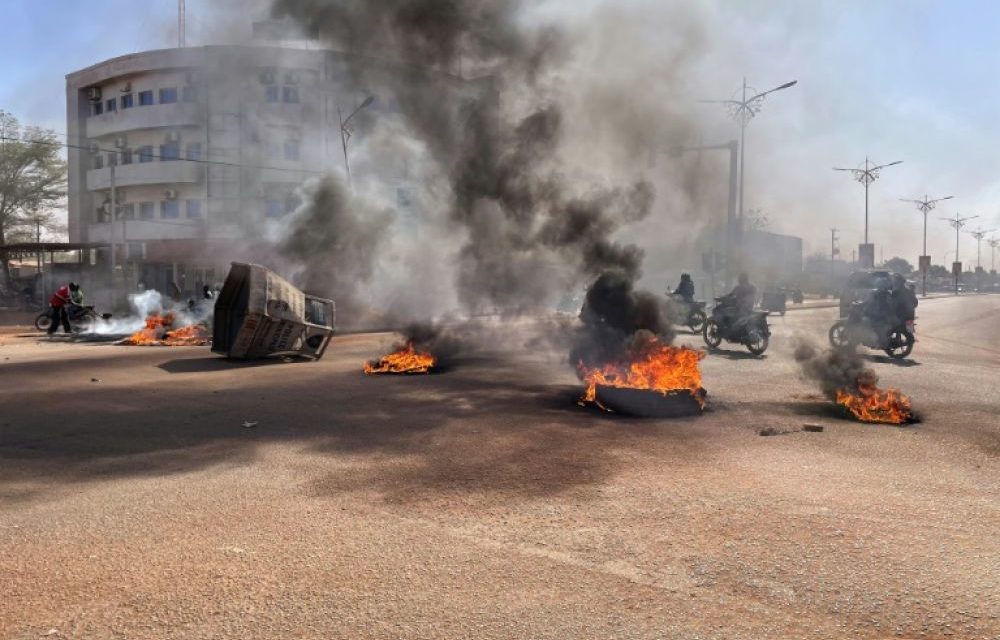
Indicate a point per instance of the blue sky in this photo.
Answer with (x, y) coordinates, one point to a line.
(897, 79)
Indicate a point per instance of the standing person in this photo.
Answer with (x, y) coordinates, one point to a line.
(57, 309)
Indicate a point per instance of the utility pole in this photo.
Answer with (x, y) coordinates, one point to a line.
(994, 243)
(979, 234)
(925, 206)
(867, 176)
(111, 235)
(956, 267)
(834, 249)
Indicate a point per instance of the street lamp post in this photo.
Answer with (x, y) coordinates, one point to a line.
(979, 234)
(345, 133)
(994, 243)
(925, 206)
(742, 111)
(867, 176)
(958, 223)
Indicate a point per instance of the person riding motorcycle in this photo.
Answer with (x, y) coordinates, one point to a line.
(904, 299)
(685, 289)
(739, 302)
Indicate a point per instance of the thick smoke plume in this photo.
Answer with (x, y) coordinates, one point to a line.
(833, 369)
(335, 238)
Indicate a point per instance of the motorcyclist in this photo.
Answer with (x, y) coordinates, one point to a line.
(740, 302)
(75, 294)
(904, 299)
(58, 304)
(685, 289)
(880, 308)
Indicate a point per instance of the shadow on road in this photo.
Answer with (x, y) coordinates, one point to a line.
(904, 362)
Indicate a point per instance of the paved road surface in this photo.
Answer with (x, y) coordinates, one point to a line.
(484, 503)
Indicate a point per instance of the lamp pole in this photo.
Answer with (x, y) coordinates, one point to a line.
(994, 243)
(742, 111)
(979, 234)
(957, 222)
(345, 133)
(925, 206)
(867, 176)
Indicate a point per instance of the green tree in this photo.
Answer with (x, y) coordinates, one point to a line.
(32, 179)
(938, 271)
(899, 265)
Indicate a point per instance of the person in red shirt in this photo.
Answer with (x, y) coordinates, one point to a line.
(58, 304)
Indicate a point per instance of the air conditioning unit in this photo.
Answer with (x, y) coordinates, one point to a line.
(127, 88)
(173, 136)
(171, 194)
(94, 94)
(291, 78)
(121, 142)
(192, 77)
(267, 76)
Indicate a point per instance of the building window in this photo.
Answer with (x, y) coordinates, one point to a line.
(112, 158)
(170, 151)
(125, 212)
(145, 98)
(146, 154)
(189, 93)
(127, 101)
(111, 105)
(194, 208)
(291, 149)
(168, 95)
(170, 209)
(193, 151)
(126, 156)
(147, 210)
(273, 93)
(135, 251)
(273, 209)
(290, 94)
(98, 161)
(98, 108)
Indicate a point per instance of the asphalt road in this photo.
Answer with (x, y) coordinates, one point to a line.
(482, 502)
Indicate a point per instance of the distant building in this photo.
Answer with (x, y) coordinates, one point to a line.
(207, 146)
(772, 258)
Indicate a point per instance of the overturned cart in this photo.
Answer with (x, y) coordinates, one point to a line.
(260, 314)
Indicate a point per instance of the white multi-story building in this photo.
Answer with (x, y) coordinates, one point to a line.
(198, 148)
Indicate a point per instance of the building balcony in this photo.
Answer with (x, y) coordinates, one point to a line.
(156, 172)
(124, 231)
(178, 114)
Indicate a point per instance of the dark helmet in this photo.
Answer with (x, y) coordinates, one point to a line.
(74, 286)
(898, 281)
(685, 276)
(744, 278)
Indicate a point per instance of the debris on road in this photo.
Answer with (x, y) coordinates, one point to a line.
(249, 425)
(260, 314)
(812, 427)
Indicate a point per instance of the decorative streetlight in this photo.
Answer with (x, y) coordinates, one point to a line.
(345, 132)
(867, 176)
(958, 223)
(979, 234)
(994, 243)
(925, 206)
(743, 111)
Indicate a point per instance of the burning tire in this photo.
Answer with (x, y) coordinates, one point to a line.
(900, 344)
(696, 321)
(757, 341)
(712, 334)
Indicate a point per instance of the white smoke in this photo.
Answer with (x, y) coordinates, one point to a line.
(152, 302)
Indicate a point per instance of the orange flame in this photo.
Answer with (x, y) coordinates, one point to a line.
(871, 404)
(404, 360)
(654, 366)
(157, 333)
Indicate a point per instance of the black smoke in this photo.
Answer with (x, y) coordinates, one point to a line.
(335, 239)
(833, 369)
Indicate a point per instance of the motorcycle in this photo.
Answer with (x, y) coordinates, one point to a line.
(694, 313)
(751, 330)
(857, 329)
(81, 317)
